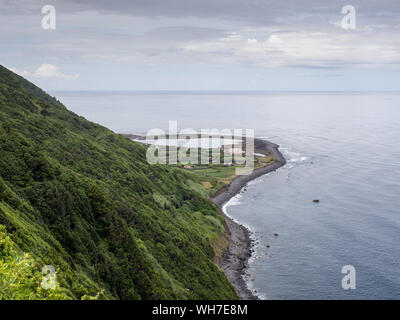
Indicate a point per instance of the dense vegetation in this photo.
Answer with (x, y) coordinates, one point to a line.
(79, 197)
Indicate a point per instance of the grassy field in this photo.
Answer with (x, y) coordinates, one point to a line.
(214, 176)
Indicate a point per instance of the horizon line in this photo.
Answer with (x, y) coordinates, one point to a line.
(225, 91)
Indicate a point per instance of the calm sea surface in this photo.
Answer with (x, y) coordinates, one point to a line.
(342, 149)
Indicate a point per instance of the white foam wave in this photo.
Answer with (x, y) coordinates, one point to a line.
(256, 181)
(292, 157)
(234, 201)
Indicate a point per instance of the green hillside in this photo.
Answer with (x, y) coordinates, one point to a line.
(83, 199)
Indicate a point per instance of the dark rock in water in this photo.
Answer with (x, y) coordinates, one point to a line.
(315, 201)
(267, 245)
(275, 234)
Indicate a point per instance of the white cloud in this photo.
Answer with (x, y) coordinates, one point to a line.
(318, 49)
(20, 73)
(274, 39)
(233, 37)
(47, 70)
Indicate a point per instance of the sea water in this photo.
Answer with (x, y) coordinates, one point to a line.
(342, 149)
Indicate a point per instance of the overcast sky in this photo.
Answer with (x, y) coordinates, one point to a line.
(203, 45)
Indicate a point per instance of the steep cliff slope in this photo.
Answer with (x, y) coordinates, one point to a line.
(77, 196)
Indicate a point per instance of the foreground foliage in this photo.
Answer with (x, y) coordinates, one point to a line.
(20, 279)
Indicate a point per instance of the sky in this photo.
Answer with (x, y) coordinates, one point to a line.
(282, 45)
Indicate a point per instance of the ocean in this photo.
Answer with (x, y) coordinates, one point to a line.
(341, 148)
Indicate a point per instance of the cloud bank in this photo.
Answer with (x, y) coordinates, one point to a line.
(45, 70)
(304, 34)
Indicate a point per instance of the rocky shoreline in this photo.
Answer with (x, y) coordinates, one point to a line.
(235, 259)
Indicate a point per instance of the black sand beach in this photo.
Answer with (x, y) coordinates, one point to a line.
(240, 248)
